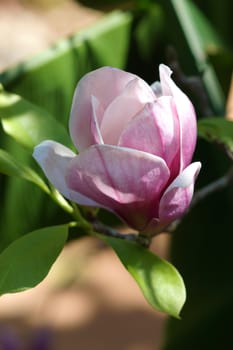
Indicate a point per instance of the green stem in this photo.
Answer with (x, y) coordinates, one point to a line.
(81, 221)
(94, 227)
(60, 200)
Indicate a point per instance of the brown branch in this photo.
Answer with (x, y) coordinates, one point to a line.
(145, 241)
(214, 186)
(133, 237)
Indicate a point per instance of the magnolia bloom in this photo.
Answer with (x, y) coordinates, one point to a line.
(135, 145)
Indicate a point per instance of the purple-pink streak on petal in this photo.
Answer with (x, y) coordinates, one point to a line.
(177, 197)
(97, 111)
(128, 182)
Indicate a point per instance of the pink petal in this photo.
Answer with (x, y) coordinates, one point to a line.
(186, 113)
(105, 84)
(154, 130)
(157, 89)
(54, 159)
(97, 111)
(132, 99)
(154, 227)
(177, 197)
(125, 181)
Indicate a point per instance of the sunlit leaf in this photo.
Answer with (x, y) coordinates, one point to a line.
(26, 261)
(11, 167)
(159, 281)
(201, 37)
(217, 130)
(29, 124)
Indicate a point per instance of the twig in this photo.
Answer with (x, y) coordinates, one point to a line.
(145, 241)
(133, 237)
(214, 186)
(201, 194)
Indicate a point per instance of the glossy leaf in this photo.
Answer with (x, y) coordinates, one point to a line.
(29, 124)
(26, 261)
(11, 167)
(159, 281)
(217, 130)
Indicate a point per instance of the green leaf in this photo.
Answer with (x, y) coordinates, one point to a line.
(158, 280)
(149, 29)
(29, 124)
(200, 37)
(11, 167)
(217, 130)
(26, 262)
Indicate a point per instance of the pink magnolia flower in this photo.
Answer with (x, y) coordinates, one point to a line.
(135, 145)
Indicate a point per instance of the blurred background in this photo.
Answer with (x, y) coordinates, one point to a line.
(88, 300)
(28, 27)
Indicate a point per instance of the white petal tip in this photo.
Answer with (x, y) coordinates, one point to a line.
(163, 69)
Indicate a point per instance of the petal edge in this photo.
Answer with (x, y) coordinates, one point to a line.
(177, 197)
(54, 159)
